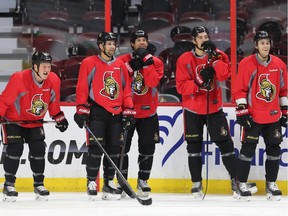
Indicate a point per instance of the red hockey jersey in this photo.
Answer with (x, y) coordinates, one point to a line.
(195, 98)
(24, 99)
(145, 82)
(260, 85)
(107, 83)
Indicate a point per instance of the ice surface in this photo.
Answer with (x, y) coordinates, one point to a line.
(70, 204)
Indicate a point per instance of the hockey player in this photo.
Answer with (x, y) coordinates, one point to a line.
(261, 98)
(197, 72)
(103, 97)
(27, 97)
(145, 72)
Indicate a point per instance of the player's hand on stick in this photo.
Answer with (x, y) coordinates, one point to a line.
(82, 114)
(128, 118)
(243, 116)
(61, 121)
(283, 119)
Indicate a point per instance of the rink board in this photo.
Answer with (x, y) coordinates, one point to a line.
(66, 155)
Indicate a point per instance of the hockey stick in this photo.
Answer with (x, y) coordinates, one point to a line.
(125, 130)
(121, 180)
(28, 122)
(207, 138)
(123, 150)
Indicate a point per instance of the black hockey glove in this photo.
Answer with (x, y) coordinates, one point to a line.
(134, 64)
(283, 119)
(128, 119)
(207, 74)
(82, 115)
(209, 47)
(204, 76)
(243, 116)
(61, 121)
(145, 56)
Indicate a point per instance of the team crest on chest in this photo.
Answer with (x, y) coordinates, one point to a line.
(211, 82)
(139, 86)
(111, 87)
(38, 106)
(267, 89)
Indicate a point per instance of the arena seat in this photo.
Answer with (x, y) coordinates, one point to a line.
(193, 16)
(89, 41)
(93, 21)
(53, 43)
(54, 21)
(155, 21)
(148, 6)
(68, 87)
(159, 40)
(71, 68)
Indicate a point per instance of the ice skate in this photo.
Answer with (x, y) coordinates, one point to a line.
(243, 192)
(110, 192)
(123, 194)
(143, 188)
(273, 192)
(251, 187)
(41, 193)
(92, 190)
(197, 190)
(9, 193)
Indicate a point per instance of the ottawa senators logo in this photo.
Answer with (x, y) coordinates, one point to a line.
(38, 107)
(156, 138)
(139, 87)
(267, 89)
(277, 134)
(111, 87)
(223, 131)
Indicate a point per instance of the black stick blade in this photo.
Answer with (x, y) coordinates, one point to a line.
(128, 190)
(145, 201)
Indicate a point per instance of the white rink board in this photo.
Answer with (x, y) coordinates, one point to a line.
(170, 160)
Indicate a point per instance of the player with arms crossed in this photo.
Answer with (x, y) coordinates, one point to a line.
(24, 102)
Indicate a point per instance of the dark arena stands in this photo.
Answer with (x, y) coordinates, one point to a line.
(68, 29)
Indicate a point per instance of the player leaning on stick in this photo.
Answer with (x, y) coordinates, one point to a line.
(199, 71)
(28, 95)
(103, 97)
(145, 73)
(261, 98)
